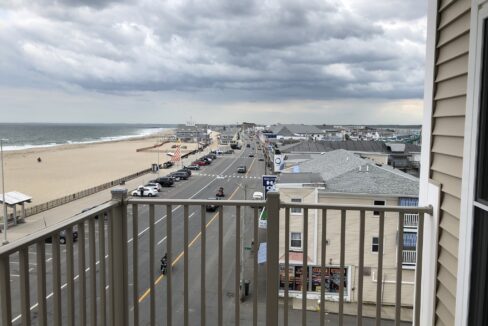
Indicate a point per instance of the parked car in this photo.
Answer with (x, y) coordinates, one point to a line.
(229, 151)
(257, 195)
(212, 207)
(200, 163)
(194, 167)
(63, 237)
(248, 145)
(154, 185)
(179, 175)
(241, 169)
(164, 181)
(142, 191)
(187, 171)
(211, 155)
(168, 164)
(261, 159)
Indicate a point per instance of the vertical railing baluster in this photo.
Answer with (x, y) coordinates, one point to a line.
(362, 220)
(237, 280)
(81, 274)
(287, 266)
(185, 265)
(101, 256)
(203, 230)
(93, 270)
(135, 261)
(221, 262)
(398, 294)
(418, 269)
(41, 283)
(272, 257)
(152, 243)
(110, 236)
(341, 272)
(70, 274)
(379, 279)
(323, 255)
(5, 298)
(255, 268)
(169, 273)
(57, 313)
(24, 286)
(305, 267)
(119, 258)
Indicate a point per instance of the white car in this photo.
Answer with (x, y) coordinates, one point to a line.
(257, 195)
(153, 185)
(144, 192)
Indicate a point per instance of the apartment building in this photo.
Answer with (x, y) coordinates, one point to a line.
(341, 177)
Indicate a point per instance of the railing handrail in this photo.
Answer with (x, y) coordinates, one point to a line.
(44, 233)
(349, 207)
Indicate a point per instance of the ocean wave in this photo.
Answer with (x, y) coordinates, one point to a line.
(140, 133)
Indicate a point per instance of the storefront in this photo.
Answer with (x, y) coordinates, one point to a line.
(332, 280)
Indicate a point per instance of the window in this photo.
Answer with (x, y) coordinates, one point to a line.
(296, 210)
(296, 240)
(375, 244)
(409, 240)
(482, 187)
(378, 203)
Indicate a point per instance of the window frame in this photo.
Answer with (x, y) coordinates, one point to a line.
(298, 211)
(291, 241)
(373, 244)
(377, 213)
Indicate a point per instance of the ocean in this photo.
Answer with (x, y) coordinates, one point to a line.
(33, 135)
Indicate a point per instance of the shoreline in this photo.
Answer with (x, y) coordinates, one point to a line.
(45, 148)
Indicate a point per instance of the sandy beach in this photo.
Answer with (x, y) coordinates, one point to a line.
(68, 169)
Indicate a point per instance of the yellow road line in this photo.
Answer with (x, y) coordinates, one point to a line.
(161, 277)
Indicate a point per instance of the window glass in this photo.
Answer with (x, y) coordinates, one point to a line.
(482, 188)
(409, 241)
(378, 203)
(296, 240)
(296, 210)
(375, 243)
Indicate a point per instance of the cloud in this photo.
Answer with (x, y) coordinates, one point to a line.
(241, 50)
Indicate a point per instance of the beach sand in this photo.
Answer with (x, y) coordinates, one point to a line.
(68, 169)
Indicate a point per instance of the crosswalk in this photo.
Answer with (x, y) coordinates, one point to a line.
(225, 176)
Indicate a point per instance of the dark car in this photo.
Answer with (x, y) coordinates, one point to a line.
(164, 181)
(211, 155)
(168, 164)
(212, 207)
(241, 169)
(179, 175)
(63, 237)
(251, 155)
(185, 170)
(261, 159)
(194, 167)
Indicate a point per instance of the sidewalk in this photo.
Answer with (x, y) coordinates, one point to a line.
(37, 222)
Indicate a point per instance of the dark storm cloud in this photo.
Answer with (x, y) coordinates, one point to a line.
(265, 49)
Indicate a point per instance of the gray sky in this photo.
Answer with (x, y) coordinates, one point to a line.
(215, 61)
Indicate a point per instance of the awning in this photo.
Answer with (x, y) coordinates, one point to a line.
(14, 198)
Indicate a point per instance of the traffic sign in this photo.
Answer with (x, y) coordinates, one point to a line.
(268, 183)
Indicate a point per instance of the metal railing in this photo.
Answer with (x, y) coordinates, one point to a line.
(411, 220)
(409, 257)
(109, 278)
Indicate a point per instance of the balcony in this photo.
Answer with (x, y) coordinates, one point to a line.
(110, 275)
(411, 220)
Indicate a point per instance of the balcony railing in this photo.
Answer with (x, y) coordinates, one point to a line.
(411, 220)
(114, 268)
(409, 257)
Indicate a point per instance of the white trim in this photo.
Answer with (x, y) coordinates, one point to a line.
(301, 241)
(427, 311)
(429, 256)
(480, 205)
(469, 163)
(372, 238)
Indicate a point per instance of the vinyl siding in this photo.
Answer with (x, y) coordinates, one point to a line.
(449, 109)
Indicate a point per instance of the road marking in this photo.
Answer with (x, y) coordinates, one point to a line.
(161, 277)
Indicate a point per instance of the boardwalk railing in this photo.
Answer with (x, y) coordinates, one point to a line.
(106, 276)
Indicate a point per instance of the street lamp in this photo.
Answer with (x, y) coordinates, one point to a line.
(5, 220)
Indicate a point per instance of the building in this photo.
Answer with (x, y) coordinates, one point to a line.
(344, 178)
(296, 131)
(196, 133)
(454, 159)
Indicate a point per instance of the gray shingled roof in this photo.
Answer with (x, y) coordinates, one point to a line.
(340, 169)
(374, 180)
(319, 146)
(294, 129)
(306, 177)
